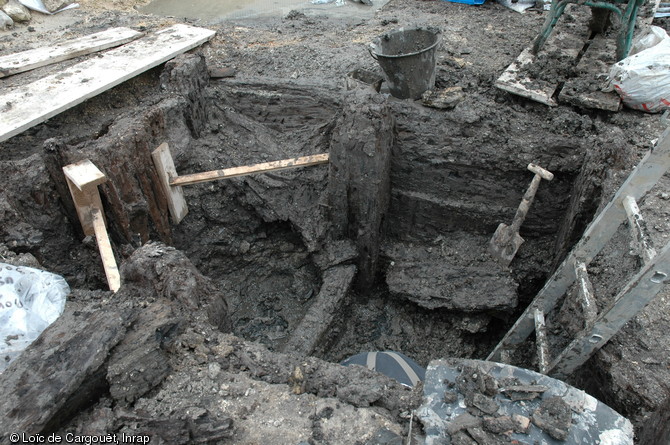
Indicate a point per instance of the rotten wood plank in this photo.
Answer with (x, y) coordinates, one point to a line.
(167, 172)
(264, 167)
(106, 252)
(53, 94)
(593, 69)
(567, 39)
(38, 57)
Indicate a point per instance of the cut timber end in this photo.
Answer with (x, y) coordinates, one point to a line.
(82, 179)
(264, 167)
(84, 174)
(167, 172)
(106, 253)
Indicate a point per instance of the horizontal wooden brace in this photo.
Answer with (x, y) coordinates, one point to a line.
(264, 167)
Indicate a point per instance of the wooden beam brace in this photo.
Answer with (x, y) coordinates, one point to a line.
(83, 179)
(264, 167)
(106, 252)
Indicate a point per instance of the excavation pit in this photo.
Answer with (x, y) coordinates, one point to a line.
(265, 243)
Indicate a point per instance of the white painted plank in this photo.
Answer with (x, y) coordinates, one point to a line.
(45, 98)
(35, 58)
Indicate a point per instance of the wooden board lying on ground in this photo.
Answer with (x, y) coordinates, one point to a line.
(35, 58)
(567, 40)
(45, 98)
(594, 66)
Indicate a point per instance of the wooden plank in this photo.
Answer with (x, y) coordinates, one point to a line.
(45, 98)
(35, 58)
(84, 173)
(514, 81)
(106, 252)
(167, 171)
(264, 167)
(567, 39)
(594, 67)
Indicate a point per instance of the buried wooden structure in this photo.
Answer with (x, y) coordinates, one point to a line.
(172, 183)
(83, 179)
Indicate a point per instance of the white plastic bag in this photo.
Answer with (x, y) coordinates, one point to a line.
(30, 300)
(643, 78)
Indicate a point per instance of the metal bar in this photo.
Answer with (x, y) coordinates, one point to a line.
(654, 164)
(541, 342)
(586, 298)
(638, 229)
(264, 167)
(637, 293)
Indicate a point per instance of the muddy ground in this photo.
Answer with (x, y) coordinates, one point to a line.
(264, 242)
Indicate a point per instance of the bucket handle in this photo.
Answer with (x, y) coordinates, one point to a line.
(372, 54)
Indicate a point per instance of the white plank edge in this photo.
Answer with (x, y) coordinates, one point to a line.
(45, 98)
(47, 55)
(84, 173)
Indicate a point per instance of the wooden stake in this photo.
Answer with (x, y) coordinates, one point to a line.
(83, 178)
(264, 167)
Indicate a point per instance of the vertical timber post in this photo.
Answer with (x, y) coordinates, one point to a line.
(359, 184)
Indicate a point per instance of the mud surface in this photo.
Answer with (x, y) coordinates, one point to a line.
(263, 240)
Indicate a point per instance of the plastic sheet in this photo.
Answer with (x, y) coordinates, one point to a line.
(643, 78)
(30, 300)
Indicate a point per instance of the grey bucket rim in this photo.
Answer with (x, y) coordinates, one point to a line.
(372, 46)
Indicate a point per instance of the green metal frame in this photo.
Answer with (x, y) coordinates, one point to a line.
(627, 16)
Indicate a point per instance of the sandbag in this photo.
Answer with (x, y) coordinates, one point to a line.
(643, 78)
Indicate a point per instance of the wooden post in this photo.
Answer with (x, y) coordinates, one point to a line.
(359, 185)
(167, 172)
(83, 178)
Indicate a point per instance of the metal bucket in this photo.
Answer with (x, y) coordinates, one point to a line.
(407, 57)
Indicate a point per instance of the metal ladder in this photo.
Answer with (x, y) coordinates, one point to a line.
(632, 298)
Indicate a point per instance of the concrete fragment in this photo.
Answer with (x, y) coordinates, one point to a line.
(17, 11)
